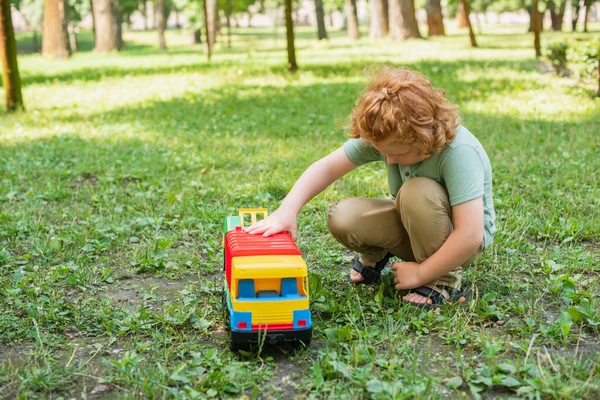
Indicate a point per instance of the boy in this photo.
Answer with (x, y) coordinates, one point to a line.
(441, 214)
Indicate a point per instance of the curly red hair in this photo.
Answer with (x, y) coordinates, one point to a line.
(402, 106)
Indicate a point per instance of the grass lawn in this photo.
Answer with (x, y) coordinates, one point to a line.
(116, 181)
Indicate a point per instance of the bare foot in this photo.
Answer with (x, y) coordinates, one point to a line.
(418, 299)
(355, 276)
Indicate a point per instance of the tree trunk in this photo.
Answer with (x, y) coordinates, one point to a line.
(106, 26)
(35, 41)
(588, 4)
(161, 22)
(291, 48)
(54, 39)
(403, 23)
(557, 15)
(211, 21)
(540, 17)
(435, 18)
(196, 36)
(93, 12)
(228, 12)
(379, 23)
(209, 41)
(321, 31)
(352, 18)
(460, 16)
(72, 38)
(536, 28)
(118, 25)
(575, 15)
(8, 53)
(468, 20)
(145, 14)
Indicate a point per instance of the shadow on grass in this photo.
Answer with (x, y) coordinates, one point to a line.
(433, 69)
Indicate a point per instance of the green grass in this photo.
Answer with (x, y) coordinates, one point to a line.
(116, 181)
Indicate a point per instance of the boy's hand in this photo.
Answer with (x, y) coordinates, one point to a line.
(279, 221)
(406, 275)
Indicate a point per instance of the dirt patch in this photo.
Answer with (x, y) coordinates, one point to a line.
(84, 179)
(136, 291)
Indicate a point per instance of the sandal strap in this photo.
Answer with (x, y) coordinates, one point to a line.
(369, 274)
(435, 296)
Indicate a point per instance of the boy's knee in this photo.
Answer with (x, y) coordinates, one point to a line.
(421, 195)
(342, 216)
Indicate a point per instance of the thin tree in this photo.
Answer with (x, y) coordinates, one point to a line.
(379, 21)
(208, 43)
(588, 4)
(211, 21)
(93, 13)
(228, 12)
(291, 48)
(575, 13)
(536, 23)
(8, 52)
(352, 18)
(321, 31)
(465, 5)
(54, 39)
(435, 18)
(161, 21)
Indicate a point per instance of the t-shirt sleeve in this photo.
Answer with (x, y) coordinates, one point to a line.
(462, 169)
(361, 152)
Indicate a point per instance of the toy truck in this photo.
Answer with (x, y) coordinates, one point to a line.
(265, 290)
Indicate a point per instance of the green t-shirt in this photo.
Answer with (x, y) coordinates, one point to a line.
(462, 167)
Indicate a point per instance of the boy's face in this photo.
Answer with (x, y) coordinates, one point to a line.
(399, 153)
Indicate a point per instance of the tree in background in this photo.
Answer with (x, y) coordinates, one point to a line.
(8, 53)
(77, 10)
(379, 24)
(536, 28)
(211, 21)
(291, 47)
(435, 18)
(161, 21)
(556, 8)
(465, 7)
(352, 19)
(107, 26)
(320, 14)
(402, 20)
(575, 8)
(54, 40)
(194, 12)
(588, 4)
(32, 12)
(208, 43)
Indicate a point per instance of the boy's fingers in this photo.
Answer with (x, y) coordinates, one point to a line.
(272, 230)
(256, 225)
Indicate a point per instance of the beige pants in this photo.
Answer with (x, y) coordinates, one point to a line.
(413, 227)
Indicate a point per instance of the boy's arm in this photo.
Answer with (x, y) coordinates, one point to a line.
(313, 181)
(462, 243)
